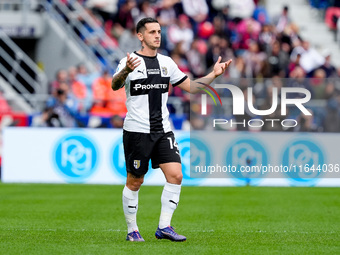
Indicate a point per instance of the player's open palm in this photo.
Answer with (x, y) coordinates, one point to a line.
(131, 63)
(219, 68)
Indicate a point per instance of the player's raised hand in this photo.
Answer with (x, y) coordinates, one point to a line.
(219, 68)
(131, 63)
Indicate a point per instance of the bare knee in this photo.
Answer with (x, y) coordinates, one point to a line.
(176, 178)
(173, 172)
(133, 182)
(179, 178)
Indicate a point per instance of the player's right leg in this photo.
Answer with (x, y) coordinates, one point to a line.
(137, 162)
(130, 206)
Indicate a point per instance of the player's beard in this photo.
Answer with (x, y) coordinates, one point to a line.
(150, 46)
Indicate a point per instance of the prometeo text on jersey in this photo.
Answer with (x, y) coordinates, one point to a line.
(150, 86)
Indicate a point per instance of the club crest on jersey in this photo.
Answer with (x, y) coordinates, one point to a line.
(164, 70)
(136, 164)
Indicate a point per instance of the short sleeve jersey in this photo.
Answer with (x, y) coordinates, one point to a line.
(147, 93)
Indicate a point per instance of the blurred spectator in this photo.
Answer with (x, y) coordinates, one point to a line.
(180, 32)
(166, 15)
(238, 69)
(266, 38)
(220, 26)
(178, 93)
(86, 78)
(61, 77)
(248, 30)
(278, 60)
(144, 10)
(298, 80)
(116, 121)
(332, 17)
(218, 46)
(125, 18)
(4, 106)
(282, 20)
(63, 107)
(327, 66)
(128, 41)
(196, 59)
(205, 30)
(117, 101)
(93, 34)
(306, 123)
(322, 87)
(101, 93)
(106, 9)
(260, 14)
(337, 36)
(213, 51)
(79, 90)
(225, 48)
(197, 122)
(253, 59)
(218, 5)
(196, 10)
(290, 36)
(46, 119)
(107, 103)
(331, 122)
(241, 9)
(294, 63)
(182, 63)
(310, 57)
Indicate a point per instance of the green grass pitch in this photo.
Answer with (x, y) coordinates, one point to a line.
(88, 219)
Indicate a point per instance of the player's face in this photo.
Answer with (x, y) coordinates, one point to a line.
(152, 35)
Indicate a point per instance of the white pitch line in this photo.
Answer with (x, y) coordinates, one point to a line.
(60, 229)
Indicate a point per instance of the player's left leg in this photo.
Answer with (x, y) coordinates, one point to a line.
(166, 156)
(170, 199)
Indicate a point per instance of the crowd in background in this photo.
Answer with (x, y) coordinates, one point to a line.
(267, 52)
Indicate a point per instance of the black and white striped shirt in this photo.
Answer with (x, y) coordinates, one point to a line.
(147, 93)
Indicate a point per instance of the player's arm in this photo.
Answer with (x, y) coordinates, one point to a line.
(193, 86)
(119, 78)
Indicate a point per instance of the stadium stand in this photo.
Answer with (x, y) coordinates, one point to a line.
(265, 43)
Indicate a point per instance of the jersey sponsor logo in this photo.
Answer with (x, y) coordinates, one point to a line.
(164, 70)
(153, 71)
(150, 86)
(136, 164)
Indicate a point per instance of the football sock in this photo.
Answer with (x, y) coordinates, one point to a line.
(130, 207)
(169, 199)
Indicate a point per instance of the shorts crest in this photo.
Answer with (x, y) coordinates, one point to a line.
(136, 164)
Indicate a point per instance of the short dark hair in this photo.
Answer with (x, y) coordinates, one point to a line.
(142, 22)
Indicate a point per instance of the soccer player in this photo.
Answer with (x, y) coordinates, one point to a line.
(147, 135)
